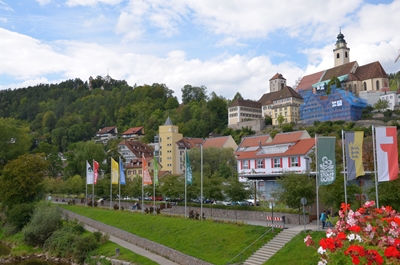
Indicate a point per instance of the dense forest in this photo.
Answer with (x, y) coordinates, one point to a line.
(69, 112)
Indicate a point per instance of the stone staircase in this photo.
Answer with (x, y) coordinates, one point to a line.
(269, 249)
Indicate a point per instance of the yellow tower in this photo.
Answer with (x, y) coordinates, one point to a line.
(169, 153)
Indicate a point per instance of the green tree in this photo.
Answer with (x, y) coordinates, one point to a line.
(236, 191)
(190, 93)
(381, 104)
(14, 140)
(22, 180)
(45, 220)
(51, 154)
(280, 119)
(293, 187)
(77, 155)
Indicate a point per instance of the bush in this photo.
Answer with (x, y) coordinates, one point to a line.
(45, 220)
(69, 242)
(20, 215)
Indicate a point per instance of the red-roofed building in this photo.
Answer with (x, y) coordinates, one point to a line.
(282, 101)
(359, 80)
(264, 159)
(220, 142)
(133, 133)
(106, 134)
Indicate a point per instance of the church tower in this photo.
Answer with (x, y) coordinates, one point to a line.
(277, 82)
(341, 53)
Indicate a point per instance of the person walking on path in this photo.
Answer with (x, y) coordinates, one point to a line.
(323, 219)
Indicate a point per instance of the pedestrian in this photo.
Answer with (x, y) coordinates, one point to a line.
(323, 219)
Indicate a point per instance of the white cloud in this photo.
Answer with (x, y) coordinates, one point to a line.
(91, 2)
(43, 2)
(5, 6)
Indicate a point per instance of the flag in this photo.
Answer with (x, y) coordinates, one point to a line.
(188, 171)
(96, 171)
(114, 172)
(146, 179)
(387, 153)
(354, 161)
(326, 162)
(122, 180)
(89, 173)
(155, 171)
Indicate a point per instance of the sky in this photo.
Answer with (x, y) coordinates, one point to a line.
(228, 46)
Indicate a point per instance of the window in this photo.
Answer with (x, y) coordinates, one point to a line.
(294, 161)
(337, 56)
(245, 164)
(345, 54)
(140, 172)
(377, 85)
(277, 162)
(260, 163)
(134, 172)
(365, 86)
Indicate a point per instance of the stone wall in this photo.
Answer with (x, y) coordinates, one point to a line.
(159, 249)
(239, 214)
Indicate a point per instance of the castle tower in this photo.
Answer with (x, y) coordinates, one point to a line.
(169, 153)
(277, 82)
(341, 53)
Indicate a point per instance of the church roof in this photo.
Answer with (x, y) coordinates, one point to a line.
(337, 71)
(308, 80)
(371, 70)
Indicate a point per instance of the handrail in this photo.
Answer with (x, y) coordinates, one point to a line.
(229, 262)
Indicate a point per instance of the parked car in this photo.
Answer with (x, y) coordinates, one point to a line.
(158, 198)
(241, 203)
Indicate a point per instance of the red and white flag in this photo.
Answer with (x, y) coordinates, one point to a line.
(387, 153)
(95, 170)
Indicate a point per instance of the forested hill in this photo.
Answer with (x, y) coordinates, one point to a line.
(69, 112)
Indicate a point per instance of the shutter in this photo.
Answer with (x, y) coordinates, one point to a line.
(241, 164)
(299, 161)
(281, 162)
(272, 163)
(288, 161)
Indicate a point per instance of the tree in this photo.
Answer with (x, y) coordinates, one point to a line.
(14, 140)
(333, 81)
(51, 154)
(381, 104)
(77, 155)
(293, 187)
(22, 180)
(236, 191)
(280, 119)
(190, 93)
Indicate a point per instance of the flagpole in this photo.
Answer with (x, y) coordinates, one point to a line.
(376, 175)
(154, 187)
(316, 178)
(142, 184)
(119, 183)
(111, 184)
(86, 182)
(345, 173)
(201, 181)
(185, 181)
(93, 185)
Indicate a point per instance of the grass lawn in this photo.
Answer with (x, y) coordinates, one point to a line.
(214, 242)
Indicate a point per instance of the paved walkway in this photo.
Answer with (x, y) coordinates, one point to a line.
(136, 249)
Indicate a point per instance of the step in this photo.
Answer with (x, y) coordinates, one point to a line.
(273, 246)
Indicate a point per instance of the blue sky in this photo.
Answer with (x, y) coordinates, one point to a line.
(228, 46)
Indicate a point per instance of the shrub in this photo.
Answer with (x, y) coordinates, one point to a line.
(45, 220)
(20, 215)
(69, 242)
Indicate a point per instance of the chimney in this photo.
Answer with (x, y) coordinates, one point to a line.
(259, 144)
